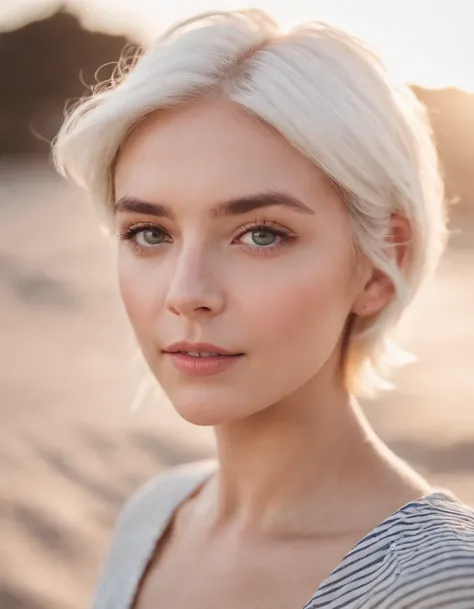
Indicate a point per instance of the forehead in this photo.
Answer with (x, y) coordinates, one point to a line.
(215, 149)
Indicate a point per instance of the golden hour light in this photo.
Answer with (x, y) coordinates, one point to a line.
(426, 42)
(237, 304)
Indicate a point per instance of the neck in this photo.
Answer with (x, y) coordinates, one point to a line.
(304, 456)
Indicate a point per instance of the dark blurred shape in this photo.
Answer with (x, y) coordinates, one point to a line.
(43, 64)
(47, 62)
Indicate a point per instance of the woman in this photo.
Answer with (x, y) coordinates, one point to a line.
(278, 205)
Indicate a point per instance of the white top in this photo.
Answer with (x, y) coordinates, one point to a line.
(420, 557)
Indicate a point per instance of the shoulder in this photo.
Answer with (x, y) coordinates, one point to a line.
(434, 556)
(139, 526)
(161, 494)
(440, 522)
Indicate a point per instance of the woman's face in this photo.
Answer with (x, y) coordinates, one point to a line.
(231, 238)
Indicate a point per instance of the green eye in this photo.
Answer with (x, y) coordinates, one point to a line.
(150, 236)
(263, 237)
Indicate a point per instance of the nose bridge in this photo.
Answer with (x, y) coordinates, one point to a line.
(194, 285)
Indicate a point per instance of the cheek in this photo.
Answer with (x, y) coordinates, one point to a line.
(304, 305)
(140, 292)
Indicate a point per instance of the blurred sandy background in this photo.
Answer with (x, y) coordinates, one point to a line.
(73, 445)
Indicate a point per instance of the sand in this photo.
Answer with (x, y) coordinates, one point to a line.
(73, 445)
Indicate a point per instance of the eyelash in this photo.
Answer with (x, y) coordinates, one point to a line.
(129, 233)
(283, 233)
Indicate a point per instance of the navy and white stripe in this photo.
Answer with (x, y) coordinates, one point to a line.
(421, 557)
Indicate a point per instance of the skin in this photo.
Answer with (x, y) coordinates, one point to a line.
(302, 476)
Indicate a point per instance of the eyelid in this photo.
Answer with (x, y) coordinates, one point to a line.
(129, 233)
(268, 225)
(133, 229)
(285, 237)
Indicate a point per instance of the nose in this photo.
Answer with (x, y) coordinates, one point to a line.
(194, 290)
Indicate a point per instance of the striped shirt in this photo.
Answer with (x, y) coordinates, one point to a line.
(420, 557)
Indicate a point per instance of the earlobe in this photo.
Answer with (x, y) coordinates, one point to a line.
(375, 296)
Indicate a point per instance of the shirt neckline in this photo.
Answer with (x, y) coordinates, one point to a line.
(203, 478)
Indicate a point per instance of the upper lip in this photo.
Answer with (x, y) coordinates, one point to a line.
(198, 348)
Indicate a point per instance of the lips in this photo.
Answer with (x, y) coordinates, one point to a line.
(201, 354)
(199, 349)
(201, 359)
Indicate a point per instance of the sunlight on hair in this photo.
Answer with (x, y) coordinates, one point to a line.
(328, 94)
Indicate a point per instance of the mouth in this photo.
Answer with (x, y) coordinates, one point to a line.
(199, 350)
(201, 358)
(204, 353)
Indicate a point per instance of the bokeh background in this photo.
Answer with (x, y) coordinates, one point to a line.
(81, 424)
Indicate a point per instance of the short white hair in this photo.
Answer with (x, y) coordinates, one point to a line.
(328, 94)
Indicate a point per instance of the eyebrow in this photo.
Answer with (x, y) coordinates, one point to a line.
(134, 205)
(233, 207)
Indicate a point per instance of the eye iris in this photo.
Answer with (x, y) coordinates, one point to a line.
(152, 237)
(263, 237)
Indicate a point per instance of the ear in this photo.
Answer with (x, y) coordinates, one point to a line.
(379, 289)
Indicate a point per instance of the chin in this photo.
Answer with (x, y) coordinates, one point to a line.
(209, 408)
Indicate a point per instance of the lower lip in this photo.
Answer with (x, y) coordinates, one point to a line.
(202, 366)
